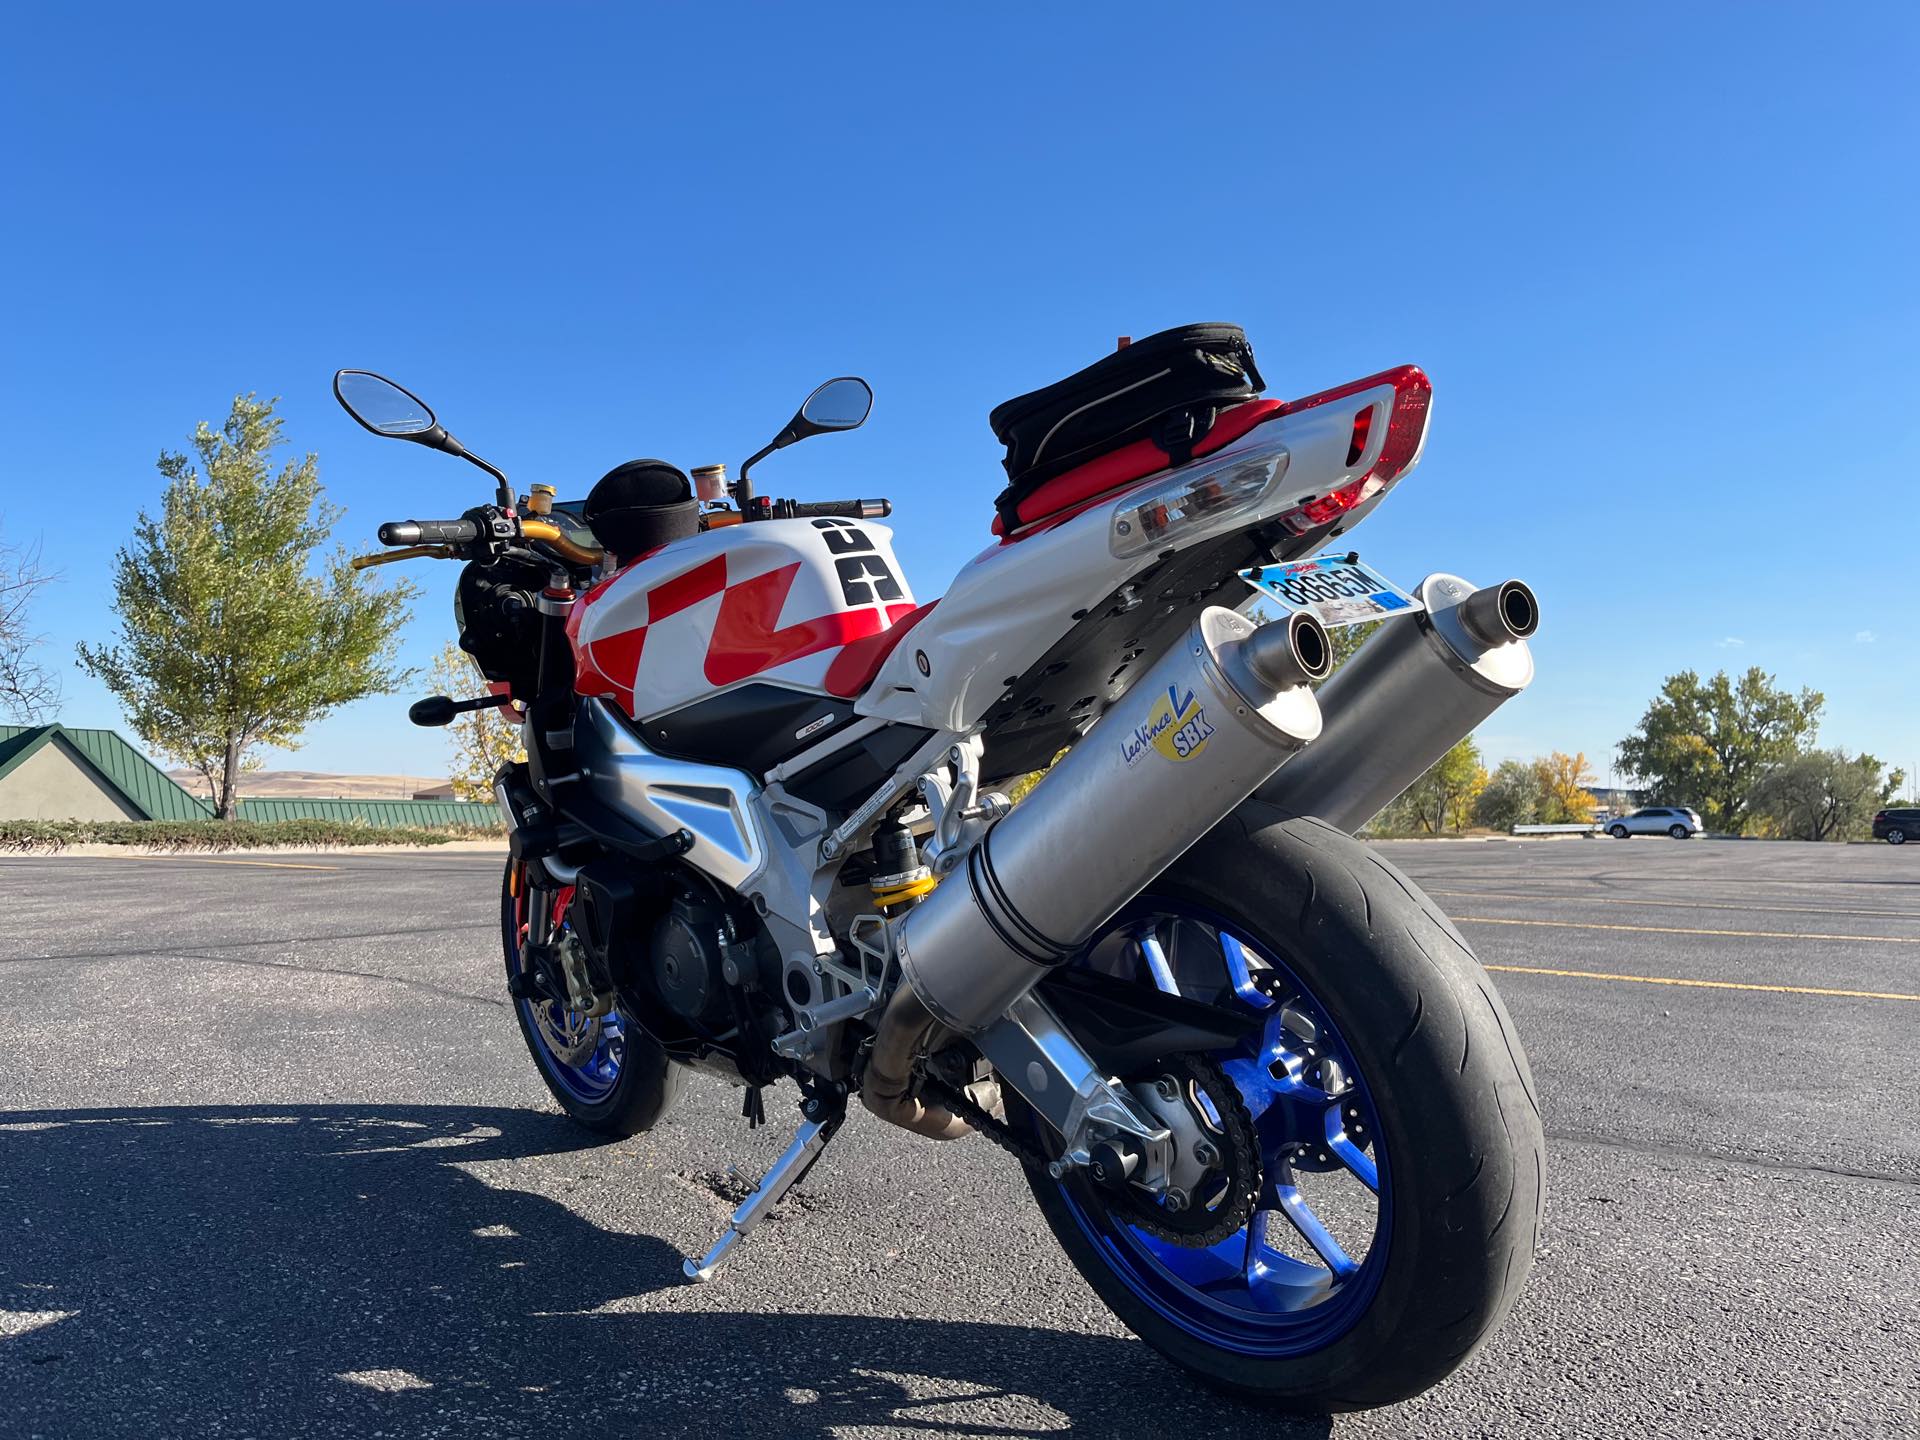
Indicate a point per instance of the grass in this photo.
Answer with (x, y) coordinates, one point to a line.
(25, 835)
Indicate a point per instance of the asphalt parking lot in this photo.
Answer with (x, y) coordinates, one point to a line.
(273, 1161)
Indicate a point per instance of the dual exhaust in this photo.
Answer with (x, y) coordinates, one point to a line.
(1227, 712)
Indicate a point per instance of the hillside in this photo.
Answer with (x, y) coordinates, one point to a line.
(318, 785)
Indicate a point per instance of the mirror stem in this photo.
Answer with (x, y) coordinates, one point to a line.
(743, 487)
(504, 492)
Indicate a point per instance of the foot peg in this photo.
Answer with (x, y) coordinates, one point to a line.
(787, 1172)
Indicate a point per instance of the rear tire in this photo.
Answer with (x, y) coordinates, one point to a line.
(1896, 837)
(1459, 1123)
(645, 1084)
(1678, 832)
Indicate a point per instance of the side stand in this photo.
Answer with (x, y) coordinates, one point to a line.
(787, 1172)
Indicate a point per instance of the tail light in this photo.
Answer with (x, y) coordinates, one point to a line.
(1406, 430)
(1198, 500)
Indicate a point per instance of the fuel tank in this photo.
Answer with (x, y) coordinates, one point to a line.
(783, 615)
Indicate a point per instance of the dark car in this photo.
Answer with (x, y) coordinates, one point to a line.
(1896, 827)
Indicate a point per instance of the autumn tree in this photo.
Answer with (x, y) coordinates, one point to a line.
(1824, 795)
(1514, 795)
(1443, 797)
(1707, 743)
(1563, 789)
(482, 740)
(232, 632)
(28, 690)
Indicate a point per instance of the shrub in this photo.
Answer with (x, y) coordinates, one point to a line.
(183, 835)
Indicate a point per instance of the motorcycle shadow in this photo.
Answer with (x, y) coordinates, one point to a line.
(334, 1270)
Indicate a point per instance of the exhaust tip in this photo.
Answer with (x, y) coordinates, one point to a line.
(1501, 613)
(1312, 646)
(1290, 652)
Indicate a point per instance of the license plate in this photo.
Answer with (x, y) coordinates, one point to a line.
(1335, 589)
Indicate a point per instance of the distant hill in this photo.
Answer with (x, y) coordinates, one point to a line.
(317, 785)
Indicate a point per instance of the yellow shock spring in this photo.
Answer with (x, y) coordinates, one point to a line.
(912, 890)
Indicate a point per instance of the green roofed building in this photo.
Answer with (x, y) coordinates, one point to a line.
(53, 772)
(61, 772)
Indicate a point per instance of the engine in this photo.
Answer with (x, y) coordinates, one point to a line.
(701, 970)
(690, 958)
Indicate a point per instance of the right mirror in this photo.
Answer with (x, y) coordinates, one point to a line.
(841, 404)
(382, 406)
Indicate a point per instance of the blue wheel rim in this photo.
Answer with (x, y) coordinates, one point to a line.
(1257, 1293)
(582, 1053)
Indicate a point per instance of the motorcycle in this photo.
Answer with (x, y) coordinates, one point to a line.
(1266, 1098)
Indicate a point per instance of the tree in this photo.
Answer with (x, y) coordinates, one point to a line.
(1442, 798)
(28, 691)
(483, 740)
(1706, 744)
(228, 635)
(1514, 795)
(1563, 785)
(1824, 795)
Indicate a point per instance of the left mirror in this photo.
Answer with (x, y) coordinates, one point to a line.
(382, 406)
(841, 404)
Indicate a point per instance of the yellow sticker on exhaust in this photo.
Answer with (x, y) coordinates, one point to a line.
(1176, 727)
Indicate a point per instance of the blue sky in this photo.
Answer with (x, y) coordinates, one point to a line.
(1658, 260)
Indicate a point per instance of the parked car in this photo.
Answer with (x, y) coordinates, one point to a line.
(1661, 820)
(1896, 827)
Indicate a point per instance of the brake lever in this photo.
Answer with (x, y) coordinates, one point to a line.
(409, 552)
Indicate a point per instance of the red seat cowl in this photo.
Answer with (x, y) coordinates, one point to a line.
(853, 669)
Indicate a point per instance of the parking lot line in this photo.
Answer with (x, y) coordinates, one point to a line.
(211, 860)
(1677, 904)
(1702, 984)
(1683, 930)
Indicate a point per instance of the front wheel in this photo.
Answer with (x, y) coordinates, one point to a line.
(1618, 832)
(1388, 1105)
(607, 1074)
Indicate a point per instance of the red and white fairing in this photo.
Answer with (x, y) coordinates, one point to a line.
(809, 604)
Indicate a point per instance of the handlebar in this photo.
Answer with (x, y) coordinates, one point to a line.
(465, 532)
(849, 509)
(429, 532)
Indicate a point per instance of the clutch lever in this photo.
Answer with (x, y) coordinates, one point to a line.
(410, 552)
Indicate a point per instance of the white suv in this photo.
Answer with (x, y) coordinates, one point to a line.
(1657, 820)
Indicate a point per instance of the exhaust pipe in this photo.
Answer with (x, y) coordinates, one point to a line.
(1408, 696)
(1213, 717)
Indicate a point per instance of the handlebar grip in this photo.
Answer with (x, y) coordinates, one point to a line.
(849, 509)
(429, 532)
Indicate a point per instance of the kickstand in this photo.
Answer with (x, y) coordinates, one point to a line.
(787, 1171)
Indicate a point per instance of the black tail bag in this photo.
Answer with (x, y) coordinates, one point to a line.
(1167, 386)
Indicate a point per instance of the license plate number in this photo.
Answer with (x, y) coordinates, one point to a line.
(1335, 589)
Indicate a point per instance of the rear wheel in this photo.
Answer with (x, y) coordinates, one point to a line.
(1896, 837)
(606, 1073)
(1398, 1138)
(1678, 832)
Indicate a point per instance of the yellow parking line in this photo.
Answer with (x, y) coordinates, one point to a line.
(210, 860)
(1682, 930)
(1677, 904)
(1702, 984)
